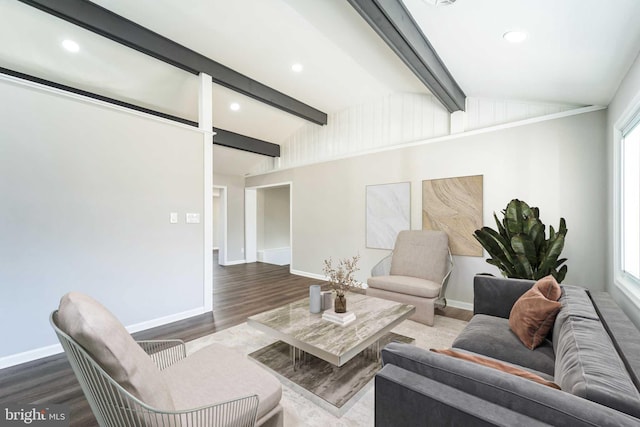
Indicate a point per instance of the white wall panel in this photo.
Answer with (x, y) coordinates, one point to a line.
(483, 112)
(393, 120)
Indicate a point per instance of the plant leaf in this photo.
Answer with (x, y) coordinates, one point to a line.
(525, 253)
(497, 247)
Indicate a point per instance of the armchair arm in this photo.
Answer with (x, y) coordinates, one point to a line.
(441, 302)
(383, 267)
(164, 353)
(495, 296)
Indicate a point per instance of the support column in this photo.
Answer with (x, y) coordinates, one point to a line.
(205, 124)
(458, 122)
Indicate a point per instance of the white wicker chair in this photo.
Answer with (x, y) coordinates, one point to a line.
(114, 406)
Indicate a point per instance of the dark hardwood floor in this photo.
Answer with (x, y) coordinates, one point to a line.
(239, 291)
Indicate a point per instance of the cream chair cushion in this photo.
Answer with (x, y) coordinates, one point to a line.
(406, 285)
(216, 374)
(113, 348)
(422, 254)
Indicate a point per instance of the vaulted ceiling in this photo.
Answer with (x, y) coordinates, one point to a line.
(577, 52)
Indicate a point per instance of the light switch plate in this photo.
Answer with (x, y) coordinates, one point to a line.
(173, 217)
(193, 218)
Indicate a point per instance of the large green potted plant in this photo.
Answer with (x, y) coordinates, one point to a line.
(520, 248)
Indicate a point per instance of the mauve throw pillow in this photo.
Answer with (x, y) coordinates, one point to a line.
(495, 364)
(533, 314)
(549, 287)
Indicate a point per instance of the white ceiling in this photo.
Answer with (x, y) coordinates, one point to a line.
(577, 53)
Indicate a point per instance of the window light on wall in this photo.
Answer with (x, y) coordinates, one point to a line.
(630, 198)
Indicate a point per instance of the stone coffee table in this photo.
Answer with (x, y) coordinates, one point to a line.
(335, 375)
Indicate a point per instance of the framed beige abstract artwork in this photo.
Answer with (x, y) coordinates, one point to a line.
(454, 205)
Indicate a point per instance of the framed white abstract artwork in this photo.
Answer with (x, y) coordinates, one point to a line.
(388, 213)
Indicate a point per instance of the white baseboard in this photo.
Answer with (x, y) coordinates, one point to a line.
(236, 262)
(459, 304)
(165, 320)
(28, 356)
(309, 275)
(50, 350)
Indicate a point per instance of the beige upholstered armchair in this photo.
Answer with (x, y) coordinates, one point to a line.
(416, 273)
(155, 383)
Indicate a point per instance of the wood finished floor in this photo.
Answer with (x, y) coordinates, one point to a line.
(239, 291)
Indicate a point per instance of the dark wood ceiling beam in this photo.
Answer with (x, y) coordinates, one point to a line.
(222, 137)
(395, 25)
(108, 24)
(246, 143)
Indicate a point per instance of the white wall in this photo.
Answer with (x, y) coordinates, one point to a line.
(235, 215)
(86, 192)
(626, 99)
(273, 218)
(217, 221)
(556, 165)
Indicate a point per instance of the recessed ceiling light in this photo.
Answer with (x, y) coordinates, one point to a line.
(514, 36)
(297, 67)
(234, 106)
(70, 45)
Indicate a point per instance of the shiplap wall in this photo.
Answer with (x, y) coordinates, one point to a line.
(483, 112)
(396, 119)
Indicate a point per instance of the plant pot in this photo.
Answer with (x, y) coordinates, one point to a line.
(340, 304)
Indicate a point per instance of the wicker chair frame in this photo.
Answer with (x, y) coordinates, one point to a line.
(114, 406)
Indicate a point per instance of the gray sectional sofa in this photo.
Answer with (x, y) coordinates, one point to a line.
(592, 353)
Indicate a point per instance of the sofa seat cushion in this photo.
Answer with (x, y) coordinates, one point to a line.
(406, 285)
(588, 366)
(499, 365)
(216, 374)
(113, 348)
(491, 336)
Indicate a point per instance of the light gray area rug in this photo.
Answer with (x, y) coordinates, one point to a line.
(300, 411)
(334, 388)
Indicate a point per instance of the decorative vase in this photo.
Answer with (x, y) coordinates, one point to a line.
(340, 304)
(315, 300)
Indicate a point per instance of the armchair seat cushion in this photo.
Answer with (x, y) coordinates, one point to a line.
(406, 285)
(216, 374)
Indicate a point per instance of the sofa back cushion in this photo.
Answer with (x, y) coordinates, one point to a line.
(587, 365)
(422, 254)
(91, 325)
(575, 303)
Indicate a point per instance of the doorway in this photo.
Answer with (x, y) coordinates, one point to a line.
(219, 226)
(268, 220)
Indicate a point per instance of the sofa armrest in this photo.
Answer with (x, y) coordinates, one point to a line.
(403, 398)
(495, 296)
(537, 401)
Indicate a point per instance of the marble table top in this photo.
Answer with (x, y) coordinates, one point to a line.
(294, 324)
